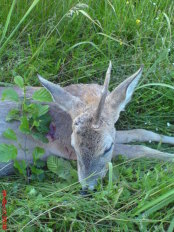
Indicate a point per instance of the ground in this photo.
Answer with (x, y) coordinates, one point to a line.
(72, 42)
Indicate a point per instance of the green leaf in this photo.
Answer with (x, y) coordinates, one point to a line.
(44, 124)
(36, 123)
(42, 95)
(110, 183)
(7, 152)
(24, 127)
(37, 153)
(13, 114)
(21, 166)
(39, 136)
(18, 25)
(42, 109)
(31, 110)
(156, 201)
(36, 171)
(19, 81)
(40, 163)
(62, 168)
(8, 20)
(36, 110)
(158, 206)
(9, 134)
(10, 94)
(171, 227)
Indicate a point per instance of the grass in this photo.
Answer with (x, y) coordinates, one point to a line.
(71, 42)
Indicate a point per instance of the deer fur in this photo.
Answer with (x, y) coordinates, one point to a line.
(84, 117)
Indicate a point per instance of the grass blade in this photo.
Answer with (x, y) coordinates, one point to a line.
(152, 203)
(158, 206)
(156, 84)
(110, 183)
(35, 2)
(87, 15)
(171, 227)
(86, 42)
(8, 21)
(112, 38)
(169, 27)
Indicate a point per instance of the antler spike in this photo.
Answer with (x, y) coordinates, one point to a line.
(103, 95)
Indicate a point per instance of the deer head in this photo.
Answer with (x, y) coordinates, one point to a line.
(93, 130)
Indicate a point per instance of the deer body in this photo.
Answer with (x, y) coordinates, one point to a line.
(83, 117)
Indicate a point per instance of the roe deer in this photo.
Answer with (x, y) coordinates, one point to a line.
(84, 117)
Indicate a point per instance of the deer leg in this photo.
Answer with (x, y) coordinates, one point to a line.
(141, 135)
(138, 151)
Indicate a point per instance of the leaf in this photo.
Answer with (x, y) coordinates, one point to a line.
(42, 95)
(39, 175)
(36, 110)
(44, 124)
(39, 136)
(86, 42)
(19, 81)
(10, 94)
(36, 170)
(89, 17)
(13, 114)
(37, 153)
(156, 201)
(74, 175)
(40, 163)
(7, 152)
(171, 227)
(34, 3)
(32, 192)
(21, 166)
(62, 168)
(9, 134)
(110, 183)
(117, 196)
(42, 109)
(31, 110)
(24, 127)
(8, 21)
(158, 206)
(36, 123)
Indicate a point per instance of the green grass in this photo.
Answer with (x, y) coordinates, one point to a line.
(140, 199)
(67, 42)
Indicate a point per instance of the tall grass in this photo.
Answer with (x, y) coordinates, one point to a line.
(72, 42)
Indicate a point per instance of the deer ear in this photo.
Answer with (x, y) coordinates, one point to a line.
(61, 97)
(122, 94)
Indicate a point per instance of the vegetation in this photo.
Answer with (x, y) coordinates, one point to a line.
(34, 121)
(72, 42)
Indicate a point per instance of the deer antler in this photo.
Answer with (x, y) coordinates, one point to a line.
(103, 96)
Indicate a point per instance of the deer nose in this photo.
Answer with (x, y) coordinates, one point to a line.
(89, 185)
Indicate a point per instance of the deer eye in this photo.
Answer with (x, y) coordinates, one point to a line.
(108, 149)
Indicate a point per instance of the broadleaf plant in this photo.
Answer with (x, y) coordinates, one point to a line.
(10, 94)
(10, 134)
(62, 168)
(34, 121)
(19, 81)
(42, 95)
(7, 152)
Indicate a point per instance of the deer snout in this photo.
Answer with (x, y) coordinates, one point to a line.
(89, 173)
(89, 185)
(88, 182)
(87, 179)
